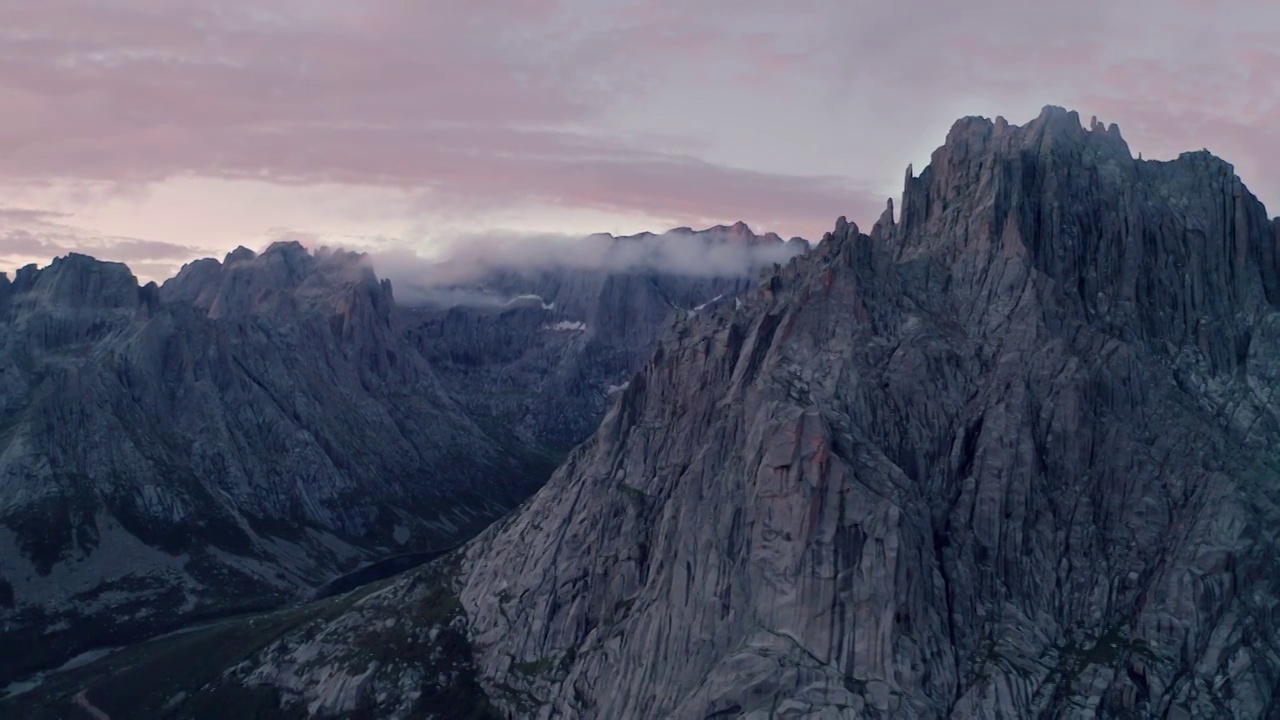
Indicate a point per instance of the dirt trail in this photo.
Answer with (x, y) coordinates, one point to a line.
(83, 702)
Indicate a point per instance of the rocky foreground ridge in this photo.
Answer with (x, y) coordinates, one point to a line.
(1011, 454)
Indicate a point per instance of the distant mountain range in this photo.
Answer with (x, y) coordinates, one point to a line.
(256, 426)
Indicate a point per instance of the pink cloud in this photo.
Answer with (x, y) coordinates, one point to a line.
(485, 105)
(1174, 77)
(475, 102)
(37, 235)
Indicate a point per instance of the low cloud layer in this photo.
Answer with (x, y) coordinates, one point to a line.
(455, 274)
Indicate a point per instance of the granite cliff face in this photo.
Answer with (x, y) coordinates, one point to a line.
(1012, 454)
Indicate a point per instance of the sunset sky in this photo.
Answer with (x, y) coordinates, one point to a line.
(157, 132)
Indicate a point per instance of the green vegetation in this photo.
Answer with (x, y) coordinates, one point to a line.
(185, 675)
(1112, 649)
(535, 668)
(632, 492)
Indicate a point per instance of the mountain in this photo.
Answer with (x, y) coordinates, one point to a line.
(542, 351)
(257, 426)
(1011, 454)
(246, 431)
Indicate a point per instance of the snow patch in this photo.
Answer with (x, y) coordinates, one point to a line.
(538, 298)
(705, 304)
(18, 687)
(569, 325)
(85, 658)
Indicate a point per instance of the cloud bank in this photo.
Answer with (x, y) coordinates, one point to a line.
(472, 106)
(455, 273)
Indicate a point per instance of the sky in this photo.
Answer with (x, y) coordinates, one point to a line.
(155, 133)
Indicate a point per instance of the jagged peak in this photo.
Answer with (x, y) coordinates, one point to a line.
(1054, 124)
(799, 245)
(75, 262)
(1206, 159)
(240, 254)
(738, 229)
(885, 223)
(844, 228)
(26, 275)
(240, 283)
(975, 139)
(79, 279)
(287, 248)
(995, 191)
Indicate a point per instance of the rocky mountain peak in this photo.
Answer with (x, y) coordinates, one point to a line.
(288, 253)
(80, 281)
(1078, 206)
(931, 471)
(885, 224)
(740, 229)
(739, 232)
(274, 281)
(240, 254)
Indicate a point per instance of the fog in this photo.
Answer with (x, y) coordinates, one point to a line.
(451, 274)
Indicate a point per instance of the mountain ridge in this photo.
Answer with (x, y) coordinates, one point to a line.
(235, 437)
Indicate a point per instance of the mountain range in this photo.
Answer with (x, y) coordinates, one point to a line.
(252, 428)
(1012, 453)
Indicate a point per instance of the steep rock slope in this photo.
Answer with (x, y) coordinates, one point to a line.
(546, 357)
(248, 430)
(1011, 456)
